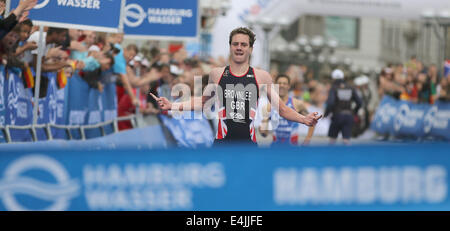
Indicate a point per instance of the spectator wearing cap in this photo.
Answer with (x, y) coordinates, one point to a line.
(145, 66)
(339, 104)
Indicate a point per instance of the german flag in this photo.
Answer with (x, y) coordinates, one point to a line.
(28, 77)
(74, 65)
(61, 78)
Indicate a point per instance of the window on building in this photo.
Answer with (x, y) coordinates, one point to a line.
(344, 29)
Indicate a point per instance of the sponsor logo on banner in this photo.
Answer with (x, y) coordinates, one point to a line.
(407, 117)
(360, 185)
(60, 103)
(42, 110)
(95, 117)
(42, 4)
(77, 117)
(429, 119)
(384, 114)
(437, 118)
(399, 117)
(155, 186)
(110, 114)
(16, 182)
(88, 4)
(135, 15)
(52, 106)
(2, 99)
(13, 98)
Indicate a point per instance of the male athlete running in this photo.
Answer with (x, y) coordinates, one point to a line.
(237, 88)
(286, 131)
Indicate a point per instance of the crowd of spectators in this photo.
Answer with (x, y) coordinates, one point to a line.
(98, 59)
(415, 82)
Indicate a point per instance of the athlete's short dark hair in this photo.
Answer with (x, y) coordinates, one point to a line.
(246, 31)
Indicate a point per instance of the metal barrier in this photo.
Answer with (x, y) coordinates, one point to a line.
(47, 127)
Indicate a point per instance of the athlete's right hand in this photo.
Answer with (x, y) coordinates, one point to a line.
(163, 102)
(312, 118)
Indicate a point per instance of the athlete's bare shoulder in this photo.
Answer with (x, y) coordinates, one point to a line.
(262, 76)
(215, 74)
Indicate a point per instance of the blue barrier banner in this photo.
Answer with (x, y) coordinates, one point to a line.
(383, 119)
(190, 133)
(170, 18)
(48, 106)
(109, 102)
(402, 118)
(400, 177)
(81, 14)
(78, 95)
(437, 120)
(95, 107)
(146, 138)
(52, 104)
(95, 112)
(60, 119)
(76, 103)
(3, 102)
(19, 109)
(409, 119)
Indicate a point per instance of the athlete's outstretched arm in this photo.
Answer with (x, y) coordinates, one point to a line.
(300, 107)
(285, 111)
(194, 103)
(189, 105)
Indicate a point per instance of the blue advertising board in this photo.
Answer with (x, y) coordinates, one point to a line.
(3, 101)
(189, 131)
(402, 118)
(99, 15)
(396, 177)
(163, 19)
(18, 109)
